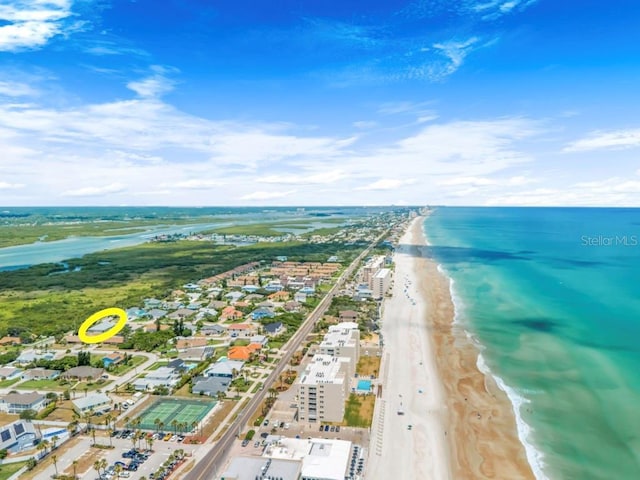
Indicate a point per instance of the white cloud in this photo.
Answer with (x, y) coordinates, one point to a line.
(94, 191)
(266, 195)
(363, 124)
(16, 89)
(154, 85)
(196, 184)
(606, 140)
(10, 186)
(32, 23)
(455, 51)
(485, 181)
(311, 179)
(387, 184)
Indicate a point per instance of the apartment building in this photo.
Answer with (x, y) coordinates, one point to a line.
(323, 389)
(343, 340)
(380, 282)
(371, 268)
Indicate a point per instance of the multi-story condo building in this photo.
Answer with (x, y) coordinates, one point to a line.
(343, 340)
(380, 283)
(323, 389)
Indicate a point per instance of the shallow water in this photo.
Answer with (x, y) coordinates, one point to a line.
(554, 297)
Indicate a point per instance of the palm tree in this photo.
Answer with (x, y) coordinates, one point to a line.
(71, 427)
(110, 431)
(93, 434)
(107, 420)
(150, 442)
(97, 466)
(46, 444)
(157, 423)
(174, 424)
(126, 421)
(75, 465)
(161, 425)
(41, 446)
(194, 424)
(54, 441)
(54, 459)
(104, 464)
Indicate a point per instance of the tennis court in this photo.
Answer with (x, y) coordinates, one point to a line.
(184, 412)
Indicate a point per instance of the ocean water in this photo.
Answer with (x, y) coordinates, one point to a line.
(552, 295)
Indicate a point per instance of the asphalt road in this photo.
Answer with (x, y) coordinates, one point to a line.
(204, 470)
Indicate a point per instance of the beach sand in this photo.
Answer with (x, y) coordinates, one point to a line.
(483, 438)
(457, 424)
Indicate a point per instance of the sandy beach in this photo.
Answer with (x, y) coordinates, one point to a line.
(455, 423)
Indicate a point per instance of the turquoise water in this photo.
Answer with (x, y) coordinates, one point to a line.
(364, 385)
(553, 296)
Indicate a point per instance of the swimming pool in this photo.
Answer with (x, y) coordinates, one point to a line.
(364, 385)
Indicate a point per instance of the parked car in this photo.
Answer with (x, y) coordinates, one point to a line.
(337, 428)
(166, 437)
(321, 428)
(326, 428)
(256, 444)
(245, 443)
(265, 423)
(332, 429)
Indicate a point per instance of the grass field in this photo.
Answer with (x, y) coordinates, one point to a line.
(40, 384)
(368, 366)
(8, 383)
(9, 469)
(121, 369)
(182, 411)
(359, 410)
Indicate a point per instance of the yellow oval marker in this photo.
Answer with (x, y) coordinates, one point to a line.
(102, 337)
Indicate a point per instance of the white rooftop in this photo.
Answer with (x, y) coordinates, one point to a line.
(341, 334)
(321, 458)
(383, 272)
(250, 468)
(324, 369)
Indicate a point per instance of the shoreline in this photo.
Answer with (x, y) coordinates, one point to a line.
(485, 439)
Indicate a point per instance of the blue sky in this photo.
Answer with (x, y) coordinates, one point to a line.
(174, 102)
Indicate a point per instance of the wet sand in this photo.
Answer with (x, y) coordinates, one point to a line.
(481, 435)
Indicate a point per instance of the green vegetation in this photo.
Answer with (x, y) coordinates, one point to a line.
(260, 229)
(359, 410)
(36, 302)
(157, 365)
(250, 434)
(8, 383)
(44, 384)
(126, 365)
(8, 469)
(323, 231)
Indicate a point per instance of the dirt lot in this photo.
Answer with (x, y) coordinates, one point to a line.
(368, 366)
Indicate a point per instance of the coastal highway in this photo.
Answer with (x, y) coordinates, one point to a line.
(206, 468)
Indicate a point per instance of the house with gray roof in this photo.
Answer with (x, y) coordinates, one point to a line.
(210, 386)
(84, 372)
(18, 436)
(224, 368)
(213, 330)
(19, 402)
(96, 402)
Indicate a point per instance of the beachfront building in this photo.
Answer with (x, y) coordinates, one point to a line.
(371, 268)
(322, 459)
(323, 389)
(380, 283)
(343, 340)
(252, 468)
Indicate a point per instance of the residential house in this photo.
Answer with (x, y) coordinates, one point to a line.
(95, 402)
(241, 304)
(112, 359)
(10, 341)
(172, 305)
(30, 356)
(274, 286)
(274, 328)
(19, 402)
(253, 297)
(279, 296)
(300, 297)
(292, 306)
(156, 313)
(84, 373)
(210, 386)
(234, 296)
(40, 374)
(243, 353)
(181, 314)
(262, 312)
(9, 373)
(178, 365)
(102, 326)
(224, 369)
(163, 376)
(230, 313)
(152, 327)
(196, 354)
(134, 313)
(241, 330)
(18, 436)
(190, 342)
(213, 329)
(266, 304)
(308, 290)
(261, 339)
(115, 340)
(152, 303)
(217, 304)
(348, 316)
(250, 288)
